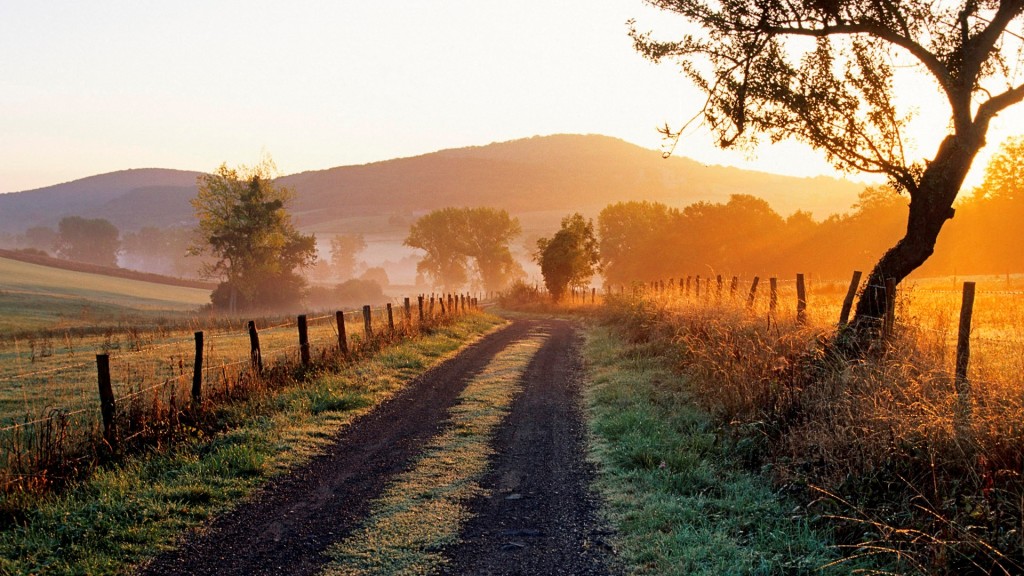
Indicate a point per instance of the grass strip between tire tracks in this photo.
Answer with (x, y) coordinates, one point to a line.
(123, 515)
(422, 510)
(674, 489)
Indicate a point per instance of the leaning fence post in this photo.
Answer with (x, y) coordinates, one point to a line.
(963, 355)
(890, 307)
(106, 399)
(339, 317)
(367, 322)
(303, 340)
(753, 292)
(197, 370)
(801, 300)
(851, 292)
(255, 356)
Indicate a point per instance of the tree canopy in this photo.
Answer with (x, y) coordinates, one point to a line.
(569, 258)
(90, 240)
(824, 73)
(257, 250)
(453, 237)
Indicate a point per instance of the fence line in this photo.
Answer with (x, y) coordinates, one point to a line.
(133, 368)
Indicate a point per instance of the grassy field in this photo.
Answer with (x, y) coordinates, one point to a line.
(34, 297)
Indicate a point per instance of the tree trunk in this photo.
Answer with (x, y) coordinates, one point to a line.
(930, 206)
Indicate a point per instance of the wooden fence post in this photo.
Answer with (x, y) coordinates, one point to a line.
(733, 286)
(697, 288)
(303, 340)
(801, 300)
(753, 292)
(106, 399)
(889, 327)
(419, 302)
(688, 278)
(368, 322)
(197, 371)
(339, 318)
(593, 295)
(718, 287)
(430, 309)
(963, 356)
(255, 355)
(391, 318)
(773, 295)
(407, 306)
(851, 292)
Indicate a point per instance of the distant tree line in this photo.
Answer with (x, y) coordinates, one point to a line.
(647, 241)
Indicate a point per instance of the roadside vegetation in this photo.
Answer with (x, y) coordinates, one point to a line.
(676, 484)
(699, 406)
(129, 510)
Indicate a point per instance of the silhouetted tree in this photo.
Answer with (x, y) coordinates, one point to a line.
(94, 241)
(243, 223)
(838, 96)
(344, 250)
(569, 258)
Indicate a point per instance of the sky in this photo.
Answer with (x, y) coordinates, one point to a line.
(93, 87)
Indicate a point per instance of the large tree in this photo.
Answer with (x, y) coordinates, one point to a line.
(257, 250)
(838, 95)
(91, 240)
(452, 237)
(569, 258)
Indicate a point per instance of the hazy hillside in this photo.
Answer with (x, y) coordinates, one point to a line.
(550, 174)
(122, 197)
(560, 173)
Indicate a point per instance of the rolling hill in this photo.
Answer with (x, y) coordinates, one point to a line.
(541, 175)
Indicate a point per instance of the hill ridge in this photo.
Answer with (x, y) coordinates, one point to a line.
(558, 172)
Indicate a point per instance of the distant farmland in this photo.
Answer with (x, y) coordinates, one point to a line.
(34, 297)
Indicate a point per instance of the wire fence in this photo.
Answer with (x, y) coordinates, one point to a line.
(44, 387)
(931, 313)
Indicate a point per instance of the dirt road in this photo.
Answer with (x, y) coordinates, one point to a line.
(539, 517)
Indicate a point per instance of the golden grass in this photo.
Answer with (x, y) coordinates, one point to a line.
(905, 468)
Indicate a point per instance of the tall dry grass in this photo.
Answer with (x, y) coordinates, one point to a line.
(881, 446)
